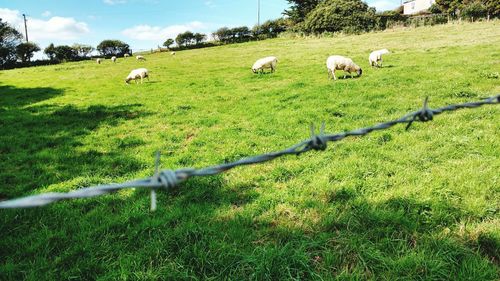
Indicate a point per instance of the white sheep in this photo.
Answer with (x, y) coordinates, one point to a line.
(136, 74)
(172, 53)
(341, 63)
(267, 62)
(139, 57)
(113, 59)
(98, 61)
(376, 56)
(126, 55)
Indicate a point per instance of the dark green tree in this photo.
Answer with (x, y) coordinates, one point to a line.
(113, 48)
(199, 38)
(185, 39)
(222, 34)
(65, 53)
(50, 51)
(25, 51)
(83, 50)
(300, 8)
(168, 42)
(271, 28)
(349, 16)
(9, 39)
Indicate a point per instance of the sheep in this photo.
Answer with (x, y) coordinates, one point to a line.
(98, 61)
(267, 62)
(376, 56)
(139, 57)
(341, 63)
(136, 74)
(126, 55)
(113, 59)
(172, 53)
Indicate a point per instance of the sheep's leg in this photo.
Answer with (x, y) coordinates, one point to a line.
(380, 62)
(333, 74)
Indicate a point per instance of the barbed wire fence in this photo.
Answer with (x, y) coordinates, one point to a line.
(164, 179)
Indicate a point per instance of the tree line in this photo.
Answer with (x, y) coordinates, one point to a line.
(226, 35)
(15, 53)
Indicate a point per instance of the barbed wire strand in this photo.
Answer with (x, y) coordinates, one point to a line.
(169, 178)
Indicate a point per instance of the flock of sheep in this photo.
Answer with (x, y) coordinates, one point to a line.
(333, 63)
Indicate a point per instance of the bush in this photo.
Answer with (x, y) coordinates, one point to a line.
(272, 28)
(9, 39)
(473, 11)
(25, 51)
(348, 16)
(113, 48)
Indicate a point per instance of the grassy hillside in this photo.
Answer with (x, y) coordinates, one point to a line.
(421, 204)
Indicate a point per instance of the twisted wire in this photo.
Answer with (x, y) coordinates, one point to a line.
(165, 179)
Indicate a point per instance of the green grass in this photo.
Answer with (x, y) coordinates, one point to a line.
(421, 204)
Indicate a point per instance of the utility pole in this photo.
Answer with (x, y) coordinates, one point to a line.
(25, 28)
(258, 16)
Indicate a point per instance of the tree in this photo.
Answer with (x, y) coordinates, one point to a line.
(474, 10)
(492, 8)
(271, 28)
(82, 50)
(9, 39)
(169, 42)
(240, 34)
(25, 51)
(222, 34)
(185, 39)
(50, 51)
(349, 16)
(199, 37)
(113, 48)
(299, 9)
(65, 53)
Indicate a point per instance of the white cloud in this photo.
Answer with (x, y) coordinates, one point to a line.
(210, 4)
(54, 28)
(114, 2)
(46, 14)
(157, 33)
(384, 5)
(11, 16)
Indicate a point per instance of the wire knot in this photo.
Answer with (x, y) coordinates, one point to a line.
(168, 179)
(318, 141)
(423, 115)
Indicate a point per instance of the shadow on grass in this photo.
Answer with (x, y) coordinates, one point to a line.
(206, 228)
(44, 144)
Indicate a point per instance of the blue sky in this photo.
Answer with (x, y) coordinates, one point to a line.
(143, 24)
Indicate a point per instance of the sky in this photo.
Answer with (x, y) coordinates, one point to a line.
(143, 24)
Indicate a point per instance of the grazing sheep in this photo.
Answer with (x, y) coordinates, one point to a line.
(267, 62)
(172, 53)
(113, 59)
(136, 74)
(376, 56)
(98, 61)
(126, 55)
(140, 57)
(341, 63)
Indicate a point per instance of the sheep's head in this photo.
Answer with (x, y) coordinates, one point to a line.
(254, 70)
(359, 71)
(127, 80)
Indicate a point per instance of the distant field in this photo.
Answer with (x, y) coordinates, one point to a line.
(422, 204)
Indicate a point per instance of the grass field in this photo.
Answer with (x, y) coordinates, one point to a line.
(422, 204)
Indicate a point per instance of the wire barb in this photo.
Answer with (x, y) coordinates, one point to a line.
(423, 115)
(317, 141)
(168, 178)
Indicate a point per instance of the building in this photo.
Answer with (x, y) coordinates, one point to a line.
(414, 6)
